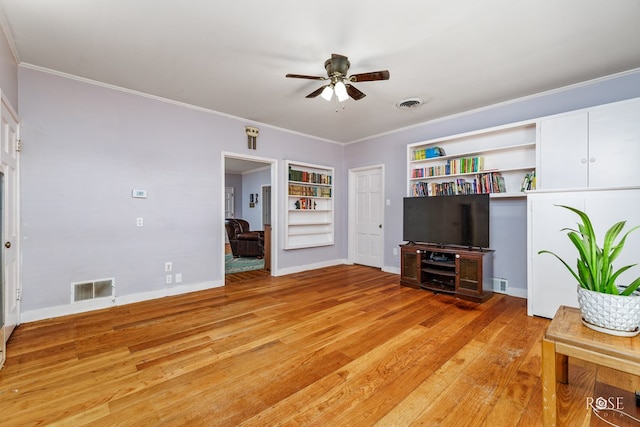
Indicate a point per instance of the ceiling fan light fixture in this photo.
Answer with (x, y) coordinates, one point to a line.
(341, 91)
(327, 93)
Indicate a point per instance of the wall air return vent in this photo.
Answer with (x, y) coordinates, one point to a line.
(92, 289)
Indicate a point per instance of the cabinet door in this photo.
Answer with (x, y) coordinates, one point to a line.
(550, 285)
(563, 154)
(469, 277)
(614, 145)
(410, 266)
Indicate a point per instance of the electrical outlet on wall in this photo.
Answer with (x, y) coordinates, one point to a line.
(169, 279)
(178, 277)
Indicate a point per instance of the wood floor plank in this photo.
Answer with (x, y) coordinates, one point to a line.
(342, 345)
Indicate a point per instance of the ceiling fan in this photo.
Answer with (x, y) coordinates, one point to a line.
(337, 67)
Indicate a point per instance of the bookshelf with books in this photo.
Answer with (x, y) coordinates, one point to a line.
(309, 209)
(500, 161)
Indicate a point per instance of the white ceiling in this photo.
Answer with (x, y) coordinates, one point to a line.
(232, 56)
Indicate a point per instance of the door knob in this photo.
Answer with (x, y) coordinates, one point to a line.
(380, 226)
(7, 245)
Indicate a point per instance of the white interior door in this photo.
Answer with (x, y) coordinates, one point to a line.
(368, 207)
(229, 201)
(9, 218)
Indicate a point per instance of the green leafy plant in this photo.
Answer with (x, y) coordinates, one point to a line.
(595, 264)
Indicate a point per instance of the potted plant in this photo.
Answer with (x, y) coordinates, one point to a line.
(605, 306)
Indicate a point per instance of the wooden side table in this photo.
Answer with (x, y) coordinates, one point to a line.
(567, 337)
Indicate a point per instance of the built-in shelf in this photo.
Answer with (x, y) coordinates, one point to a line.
(309, 218)
(499, 160)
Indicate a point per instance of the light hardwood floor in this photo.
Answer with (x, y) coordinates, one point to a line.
(339, 346)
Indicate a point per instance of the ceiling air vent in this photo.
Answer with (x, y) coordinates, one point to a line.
(410, 103)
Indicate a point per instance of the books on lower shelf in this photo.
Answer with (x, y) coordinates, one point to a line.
(492, 182)
(529, 181)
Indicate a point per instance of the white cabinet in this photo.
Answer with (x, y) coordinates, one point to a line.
(309, 205)
(597, 147)
(472, 159)
(549, 284)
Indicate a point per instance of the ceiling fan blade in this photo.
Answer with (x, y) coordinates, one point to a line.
(354, 93)
(369, 77)
(316, 92)
(301, 76)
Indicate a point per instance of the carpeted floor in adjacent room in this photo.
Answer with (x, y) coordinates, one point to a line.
(237, 265)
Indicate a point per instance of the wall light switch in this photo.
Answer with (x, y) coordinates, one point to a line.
(139, 222)
(168, 266)
(388, 202)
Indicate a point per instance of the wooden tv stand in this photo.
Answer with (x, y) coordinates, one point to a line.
(465, 273)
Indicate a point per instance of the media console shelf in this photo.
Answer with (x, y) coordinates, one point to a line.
(465, 273)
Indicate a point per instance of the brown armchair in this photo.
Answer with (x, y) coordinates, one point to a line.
(244, 242)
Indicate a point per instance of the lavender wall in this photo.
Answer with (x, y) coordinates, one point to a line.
(508, 217)
(86, 147)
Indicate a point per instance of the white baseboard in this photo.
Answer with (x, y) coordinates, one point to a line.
(84, 306)
(392, 270)
(305, 267)
(97, 304)
(517, 292)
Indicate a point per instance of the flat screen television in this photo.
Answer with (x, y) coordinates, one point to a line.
(447, 220)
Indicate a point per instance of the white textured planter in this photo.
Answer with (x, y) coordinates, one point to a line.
(611, 314)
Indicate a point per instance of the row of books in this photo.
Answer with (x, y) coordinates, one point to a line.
(307, 191)
(482, 183)
(452, 167)
(305, 204)
(310, 177)
(427, 153)
(529, 181)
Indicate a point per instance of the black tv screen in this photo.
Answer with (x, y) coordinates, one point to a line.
(447, 220)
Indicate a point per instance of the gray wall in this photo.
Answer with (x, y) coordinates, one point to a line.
(508, 217)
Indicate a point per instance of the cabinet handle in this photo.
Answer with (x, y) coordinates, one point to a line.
(457, 255)
(592, 159)
(583, 160)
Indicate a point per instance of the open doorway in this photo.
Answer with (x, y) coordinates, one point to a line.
(246, 248)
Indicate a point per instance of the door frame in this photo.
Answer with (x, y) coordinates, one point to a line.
(352, 211)
(10, 203)
(273, 163)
